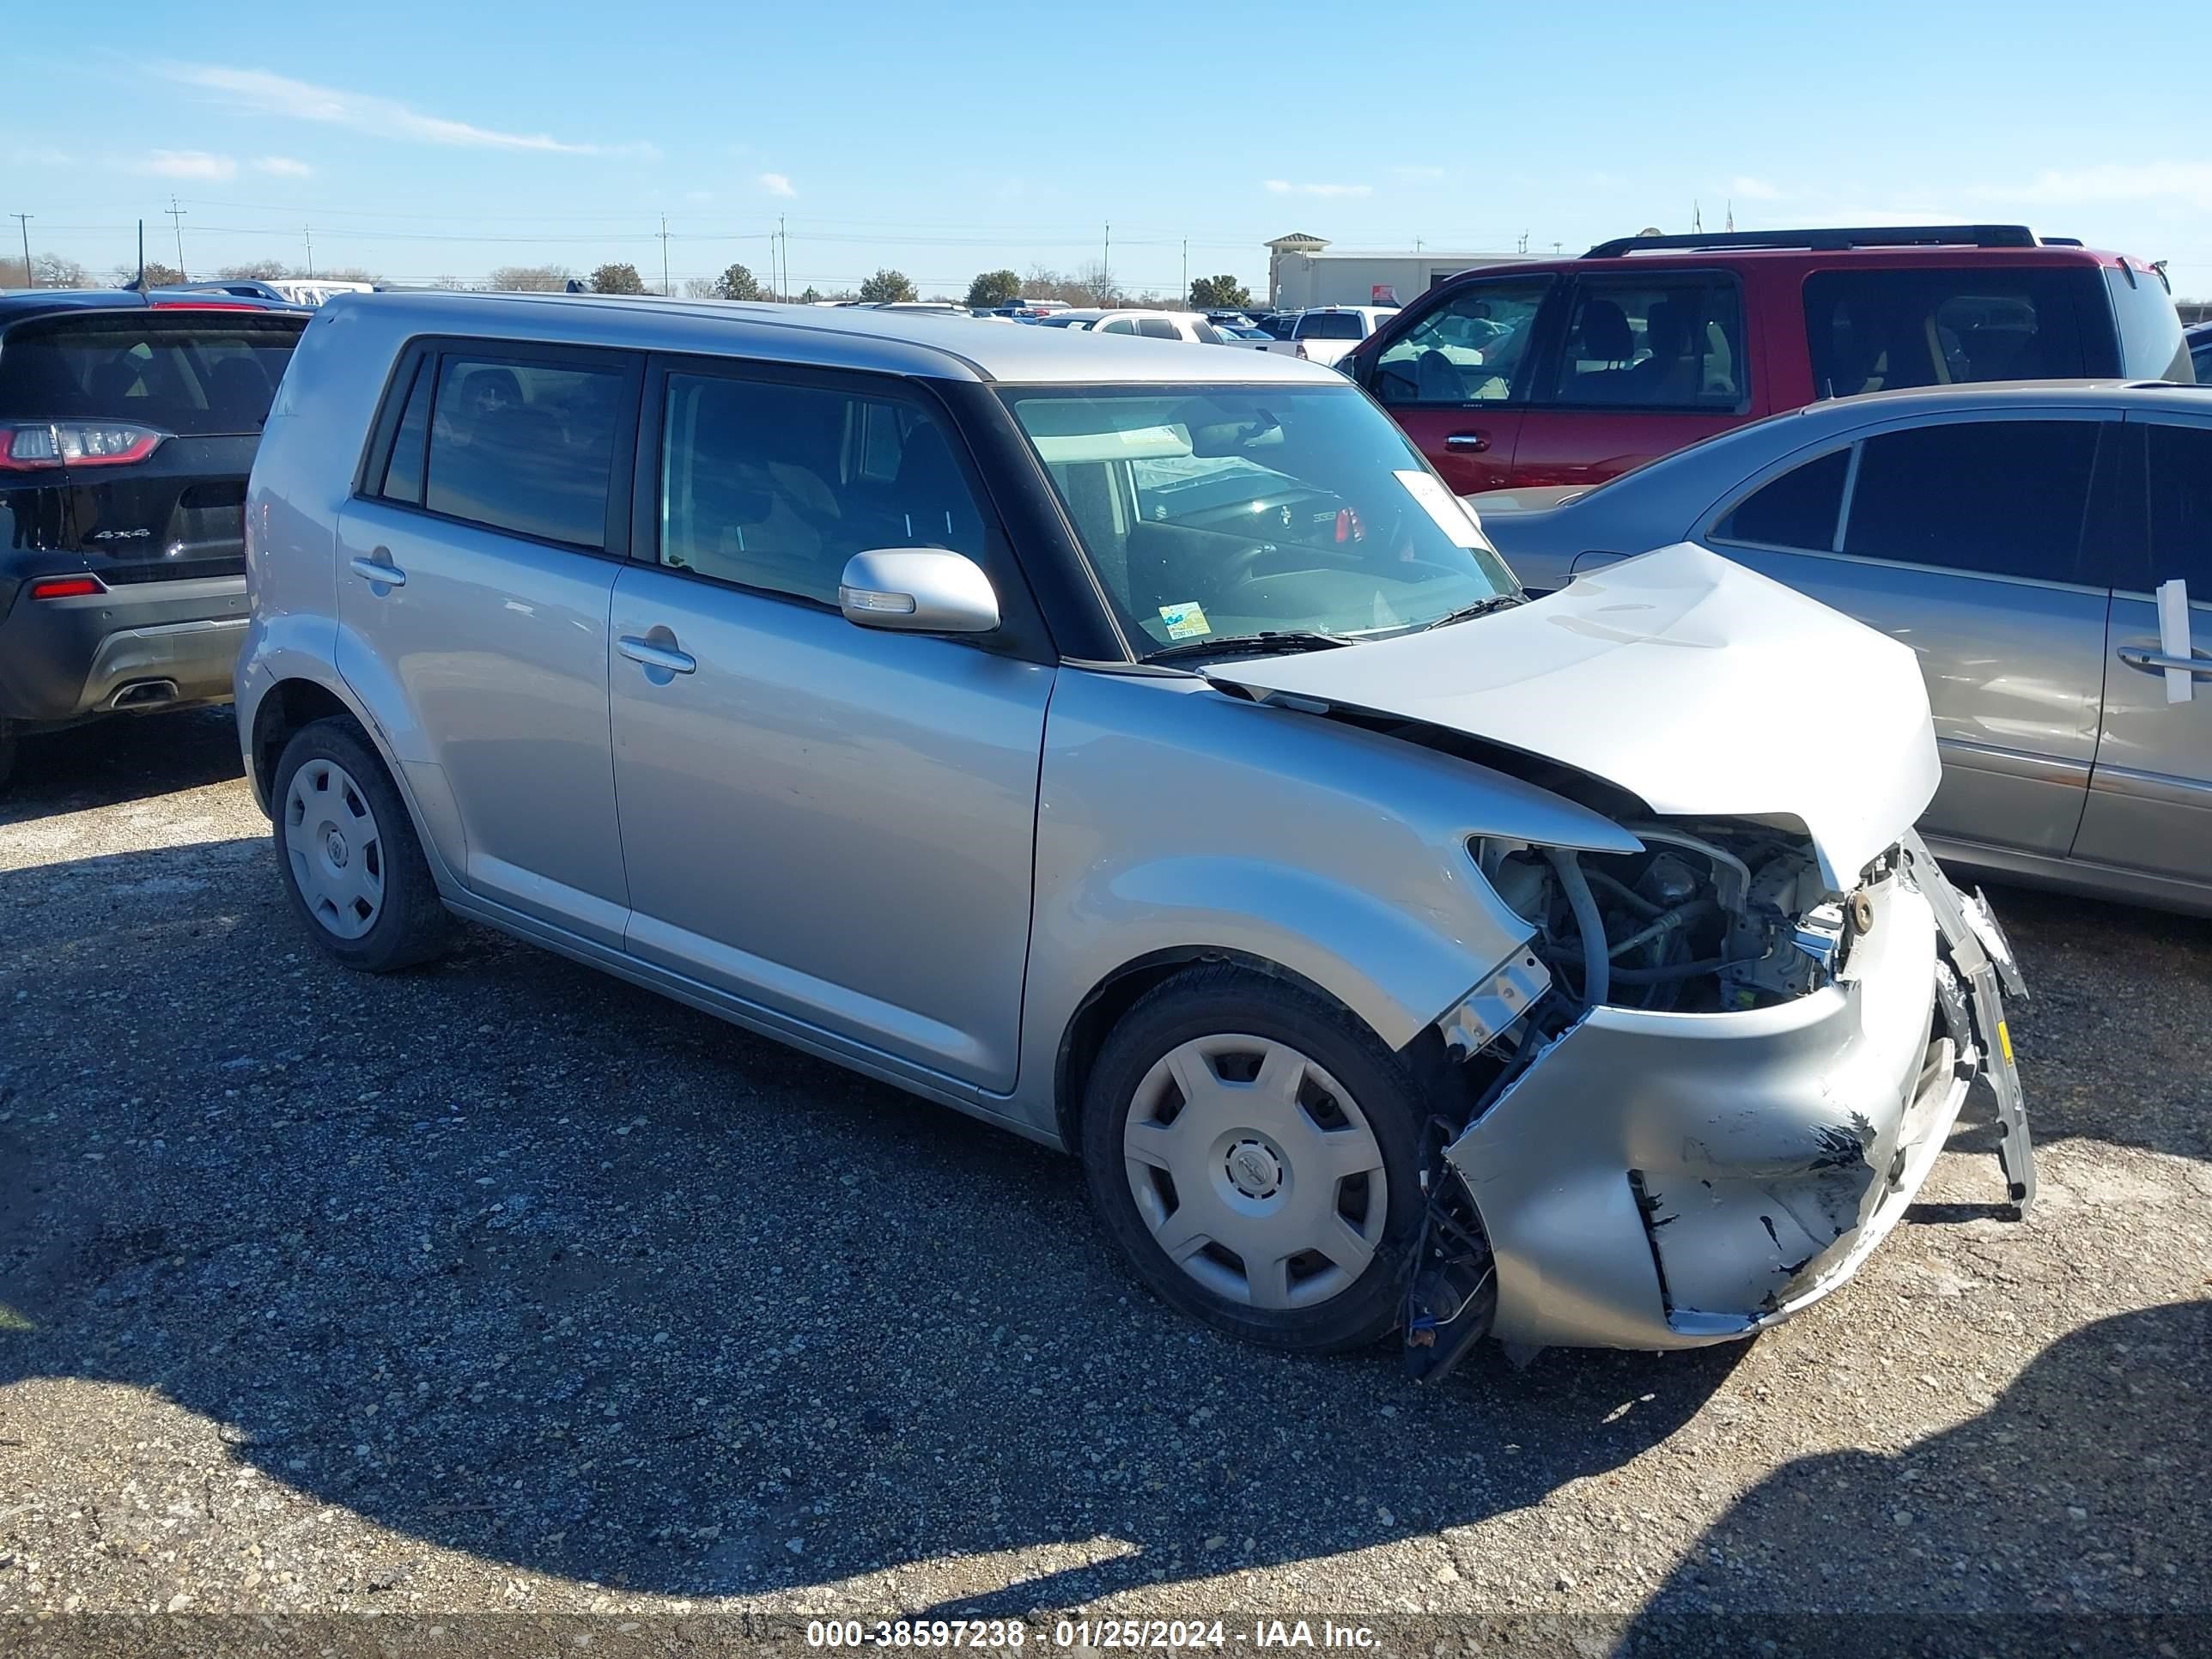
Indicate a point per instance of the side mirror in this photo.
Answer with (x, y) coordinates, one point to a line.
(917, 590)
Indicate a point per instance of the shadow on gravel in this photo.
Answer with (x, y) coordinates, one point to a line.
(2061, 1483)
(512, 1258)
(132, 758)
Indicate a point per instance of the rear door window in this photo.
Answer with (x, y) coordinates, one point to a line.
(1662, 342)
(179, 374)
(2005, 498)
(1156, 328)
(1876, 330)
(1799, 509)
(2181, 507)
(526, 446)
(1330, 325)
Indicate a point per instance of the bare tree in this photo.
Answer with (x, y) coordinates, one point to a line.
(255, 270)
(533, 279)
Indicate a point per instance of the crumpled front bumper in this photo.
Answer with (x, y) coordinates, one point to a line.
(1668, 1180)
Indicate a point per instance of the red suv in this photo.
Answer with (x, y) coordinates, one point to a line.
(1567, 372)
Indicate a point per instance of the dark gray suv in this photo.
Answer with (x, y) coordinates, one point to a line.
(128, 425)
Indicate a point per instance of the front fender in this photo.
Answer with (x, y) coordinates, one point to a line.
(1175, 820)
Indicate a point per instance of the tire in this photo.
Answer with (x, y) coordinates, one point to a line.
(1266, 1161)
(347, 852)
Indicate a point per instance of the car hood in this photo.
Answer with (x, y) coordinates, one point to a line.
(1701, 687)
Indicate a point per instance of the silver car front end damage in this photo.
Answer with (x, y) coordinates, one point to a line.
(1657, 1179)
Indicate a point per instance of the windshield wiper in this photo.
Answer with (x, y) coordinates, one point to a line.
(1468, 613)
(1290, 639)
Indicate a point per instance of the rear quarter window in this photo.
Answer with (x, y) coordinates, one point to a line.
(182, 375)
(1879, 331)
(2152, 344)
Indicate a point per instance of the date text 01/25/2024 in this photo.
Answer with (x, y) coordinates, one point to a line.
(1098, 1634)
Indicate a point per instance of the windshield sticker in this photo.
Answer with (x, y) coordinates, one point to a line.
(1440, 504)
(1185, 621)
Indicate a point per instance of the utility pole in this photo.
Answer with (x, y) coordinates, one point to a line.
(308, 231)
(664, 256)
(1106, 260)
(783, 253)
(1185, 271)
(23, 220)
(177, 218)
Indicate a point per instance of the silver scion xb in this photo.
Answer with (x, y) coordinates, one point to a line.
(1143, 751)
(2045, 549)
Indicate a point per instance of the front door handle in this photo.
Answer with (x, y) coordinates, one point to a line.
(376, 570)
(2157, 662)
(1477, 441)
(653, 655)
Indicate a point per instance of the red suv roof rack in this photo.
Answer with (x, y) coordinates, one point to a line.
(1825, 240)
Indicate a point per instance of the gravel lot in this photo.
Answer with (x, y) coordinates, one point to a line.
(503, 1287)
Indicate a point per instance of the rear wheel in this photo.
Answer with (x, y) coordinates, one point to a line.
(1254, 1151)
(347, 850)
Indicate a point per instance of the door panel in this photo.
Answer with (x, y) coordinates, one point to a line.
(1589, 446)
(2014, 670)
(1454, 370)
(1472, 447)
(834, 822)
(497, 648)
(2150, 798)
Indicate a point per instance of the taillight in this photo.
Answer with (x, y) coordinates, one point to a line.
(1347, 526)
(66, 587)
(76, 443)
(204, 305)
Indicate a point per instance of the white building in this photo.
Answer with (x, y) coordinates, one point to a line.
(1301, 272)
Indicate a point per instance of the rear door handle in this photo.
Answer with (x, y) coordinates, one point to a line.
(666, 657)
(376, 570)
(1474, 441)
(2157, 662)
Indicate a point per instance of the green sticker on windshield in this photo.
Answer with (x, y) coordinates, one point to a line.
(1185, 621)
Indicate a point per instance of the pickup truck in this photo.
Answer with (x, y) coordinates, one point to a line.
(1323, 334)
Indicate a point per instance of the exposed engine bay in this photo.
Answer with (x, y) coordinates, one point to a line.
(1710, 917)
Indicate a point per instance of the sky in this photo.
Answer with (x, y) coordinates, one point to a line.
(432, 140)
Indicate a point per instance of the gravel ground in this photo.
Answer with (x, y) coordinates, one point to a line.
(503, 1287)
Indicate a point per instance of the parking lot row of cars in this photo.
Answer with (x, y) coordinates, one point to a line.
(1149, 750)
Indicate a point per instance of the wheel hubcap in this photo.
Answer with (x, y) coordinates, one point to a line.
(1255, 1171)
(335, 848)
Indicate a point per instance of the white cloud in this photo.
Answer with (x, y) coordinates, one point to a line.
(187, 164)
(45, 155)
(359, 111)
(1283, 188)
(1752, 189)
(777, 183)
(2176, 183)
(284, 166)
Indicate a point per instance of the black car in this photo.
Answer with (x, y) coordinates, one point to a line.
(2200, 351)
(128, 424)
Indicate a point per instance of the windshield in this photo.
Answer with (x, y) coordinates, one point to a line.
(1220, 513)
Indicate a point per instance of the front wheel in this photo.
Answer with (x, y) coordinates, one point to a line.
(1254, 1151)
(347, 850)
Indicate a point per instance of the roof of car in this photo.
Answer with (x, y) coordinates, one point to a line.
(2042, 394)
(926, 345)
(1082, 313)
(21, 303)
